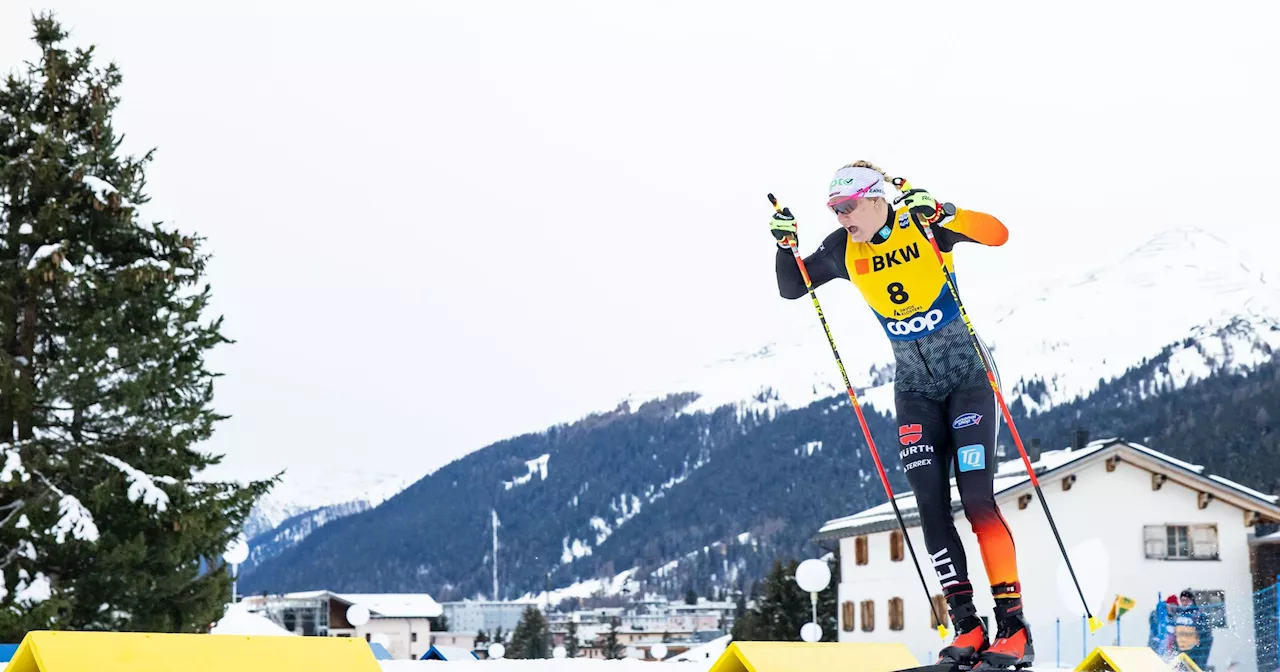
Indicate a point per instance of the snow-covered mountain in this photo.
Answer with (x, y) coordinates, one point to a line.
(290, 532)
(311, 488)
(1185, 305)
(1053, 341)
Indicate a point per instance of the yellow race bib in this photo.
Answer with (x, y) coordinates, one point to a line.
(902, 282)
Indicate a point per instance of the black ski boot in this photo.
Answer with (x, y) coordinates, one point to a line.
(1012, 647)
(970, 640)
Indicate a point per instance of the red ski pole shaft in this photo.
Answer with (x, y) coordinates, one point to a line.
(1094, 623)
(862, 420)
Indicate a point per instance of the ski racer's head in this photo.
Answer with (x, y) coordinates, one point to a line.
(857, 197)
(1187, 598)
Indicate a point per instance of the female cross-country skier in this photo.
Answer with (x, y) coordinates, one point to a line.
(946, 409)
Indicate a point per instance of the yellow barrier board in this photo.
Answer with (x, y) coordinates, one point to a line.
(66, 651)
(1122, 659)
(1183, 663)
(813, 657)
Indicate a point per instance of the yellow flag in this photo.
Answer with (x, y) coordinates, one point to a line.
(1119, 606)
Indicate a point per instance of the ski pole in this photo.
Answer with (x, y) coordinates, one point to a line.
(903, 186)
(866, 433)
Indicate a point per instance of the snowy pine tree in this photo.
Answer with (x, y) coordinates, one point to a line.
(571, 641)
(611, 648)
(104, 393)
(531, 638)
(783, 607)
(829, 603)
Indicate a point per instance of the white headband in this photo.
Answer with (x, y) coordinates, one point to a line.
(855, 183)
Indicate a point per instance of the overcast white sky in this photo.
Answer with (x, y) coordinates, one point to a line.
(439, 224)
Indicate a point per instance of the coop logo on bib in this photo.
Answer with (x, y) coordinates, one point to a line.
(915, 325)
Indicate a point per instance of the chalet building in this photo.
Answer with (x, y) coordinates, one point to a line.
(1136, 523)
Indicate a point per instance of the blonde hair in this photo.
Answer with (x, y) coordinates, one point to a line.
(866, 164)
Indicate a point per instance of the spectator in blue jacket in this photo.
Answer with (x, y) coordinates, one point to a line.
(1161, 621)
(1193, 633)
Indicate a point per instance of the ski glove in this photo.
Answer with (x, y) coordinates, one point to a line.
(922, 204)
(783, 226)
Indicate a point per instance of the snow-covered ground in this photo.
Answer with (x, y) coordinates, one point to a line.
(570, 665)
(546, 665)
(239, 620)
(590, 588)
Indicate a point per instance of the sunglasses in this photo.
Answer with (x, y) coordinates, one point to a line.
(845, 207)
(850, 203)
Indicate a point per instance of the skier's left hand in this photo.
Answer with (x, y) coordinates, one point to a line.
(922, 204)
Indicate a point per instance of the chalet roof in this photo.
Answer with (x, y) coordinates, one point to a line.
(1011, 478)
(380, 605)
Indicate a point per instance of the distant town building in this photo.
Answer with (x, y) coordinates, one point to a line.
(400, 621)
(645, 621)
(472, 616)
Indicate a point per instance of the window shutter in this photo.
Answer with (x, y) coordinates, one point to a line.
(846, 613)
(939, 611)
(860, 550)
(1154, 540)
(895, 546)
(1204, 542)
(868, 616)
(895, 613)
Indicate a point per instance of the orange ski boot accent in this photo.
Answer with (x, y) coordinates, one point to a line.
(971, 637)
(1012, 647)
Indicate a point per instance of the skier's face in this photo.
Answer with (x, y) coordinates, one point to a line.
(864, 219)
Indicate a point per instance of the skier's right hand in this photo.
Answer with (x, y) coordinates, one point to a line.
(783, 226)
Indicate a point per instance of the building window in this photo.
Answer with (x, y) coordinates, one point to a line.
(860, 550)
(1181, 542)
(413, 636)
(1213, 606)
(1178, 542)
(895, 613)
(868, 609)
(895, 546)
(939, 611)
(846, 616)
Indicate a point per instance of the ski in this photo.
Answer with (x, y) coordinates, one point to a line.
(962, 667)
(988, 666)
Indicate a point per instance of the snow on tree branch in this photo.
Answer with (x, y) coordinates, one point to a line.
(143, 485)
(102, 189)
(75, 520)
(154, 263)
(44, 252)
(12, 465)
(36, 591)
